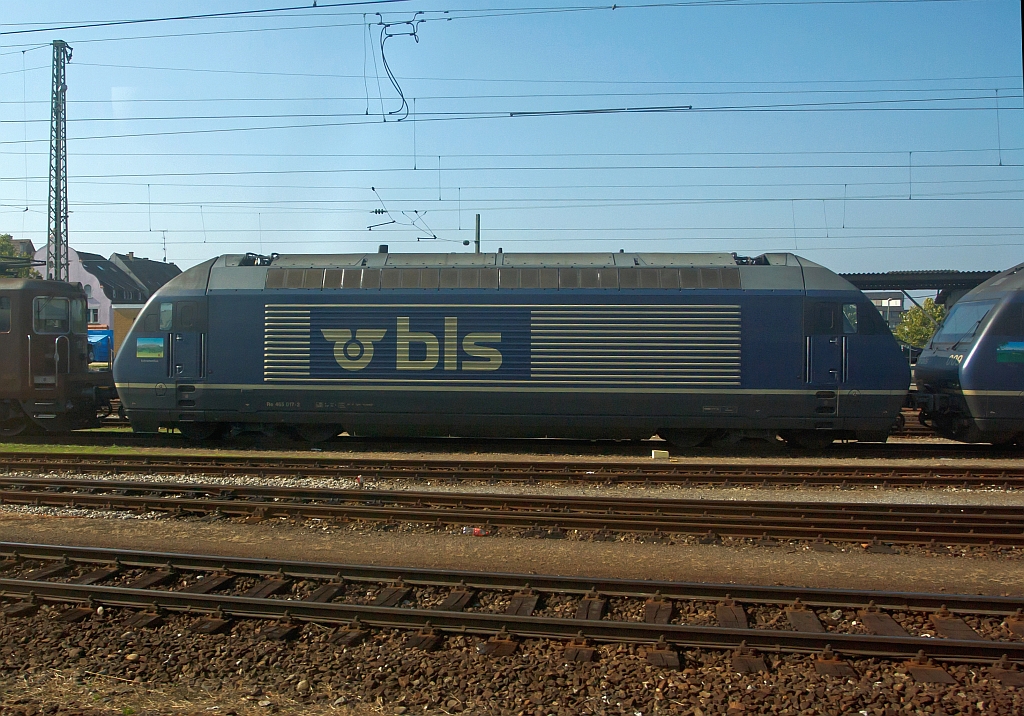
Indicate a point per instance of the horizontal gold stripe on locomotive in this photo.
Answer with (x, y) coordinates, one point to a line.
(641, 371)
(651, 377)
(630, 320)
(625, 317)
(640, 330)
(600, 346)
(678, 308)
(552, 387)
(628, 348)
(482, 385)
(995, 393)
(545, 307)
(286, 352)
(616, 350)
(666, 363)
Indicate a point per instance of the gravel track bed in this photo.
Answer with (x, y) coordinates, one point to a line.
(868, 495)
(101, 667)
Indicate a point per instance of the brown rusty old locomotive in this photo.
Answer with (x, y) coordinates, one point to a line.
(46, 383)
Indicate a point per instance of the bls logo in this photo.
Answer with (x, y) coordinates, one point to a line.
(353, 353)
(356, 353)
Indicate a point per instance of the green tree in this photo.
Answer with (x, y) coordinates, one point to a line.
(917, 325)
(9, 250)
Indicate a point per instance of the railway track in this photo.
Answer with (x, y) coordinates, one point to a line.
(609, 471)
(892, 624)
(545, 515)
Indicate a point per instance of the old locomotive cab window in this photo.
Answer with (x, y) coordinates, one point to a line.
(79, 318)
(504, 279)
(5, 315)
(50, 314)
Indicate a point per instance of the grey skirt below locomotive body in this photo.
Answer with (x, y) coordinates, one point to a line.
(688, 346)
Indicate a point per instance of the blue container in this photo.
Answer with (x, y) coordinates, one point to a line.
(101, 342)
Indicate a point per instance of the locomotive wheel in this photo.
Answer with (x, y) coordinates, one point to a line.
(14, 427)
(685, 439)
(317, 433)
(810, 439)
(199, 431)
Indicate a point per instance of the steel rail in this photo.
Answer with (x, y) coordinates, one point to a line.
(582, 503)
(909, 524)
(419, 576)
(524, 626)
(606, 471)
(848, 521)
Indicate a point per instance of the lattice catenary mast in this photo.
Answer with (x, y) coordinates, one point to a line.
(57, 203)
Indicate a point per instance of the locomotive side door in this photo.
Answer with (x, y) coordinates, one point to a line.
(49, 344)
(186, 351)
(824, 355)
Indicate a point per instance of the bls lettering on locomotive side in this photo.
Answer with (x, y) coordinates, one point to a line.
(339, 343)
(354, 350)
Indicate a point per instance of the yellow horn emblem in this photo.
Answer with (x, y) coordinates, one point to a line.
(353, 353)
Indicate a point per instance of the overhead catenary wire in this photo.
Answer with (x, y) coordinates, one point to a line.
(198, 16)
(585, 195)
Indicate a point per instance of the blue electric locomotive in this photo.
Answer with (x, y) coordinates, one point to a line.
(970, 378)
(626, 345)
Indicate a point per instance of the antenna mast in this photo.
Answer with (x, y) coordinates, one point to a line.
(57, 203)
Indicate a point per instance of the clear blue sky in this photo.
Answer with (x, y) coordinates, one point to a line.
(863, 135)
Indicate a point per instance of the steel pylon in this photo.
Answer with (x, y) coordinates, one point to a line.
(57, 203)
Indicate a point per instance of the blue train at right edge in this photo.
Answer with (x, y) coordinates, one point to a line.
(970, 378)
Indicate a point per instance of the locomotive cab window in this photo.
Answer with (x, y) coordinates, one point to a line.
(962, 322)
(5, 315)
(849, 318)
(166, 316)
(50, 314)
(821, 319)
(187, 316)
(79, 317)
